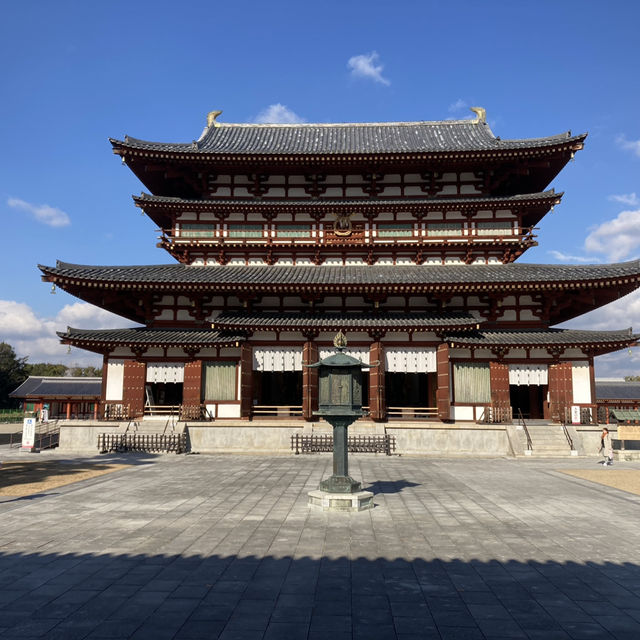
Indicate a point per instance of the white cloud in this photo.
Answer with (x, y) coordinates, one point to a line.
(624, 313)
(619, 364)
(630, 199)
(620, 314)
(629, 145)
(41, 212)
(458, 105)
(364, 66)
(278, 114)
(35, 337)
(563, 257)
(617, 238)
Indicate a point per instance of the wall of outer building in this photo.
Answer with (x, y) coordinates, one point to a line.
(408, 353)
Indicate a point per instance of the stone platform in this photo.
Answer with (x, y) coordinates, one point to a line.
(225, 547)
(326, 501)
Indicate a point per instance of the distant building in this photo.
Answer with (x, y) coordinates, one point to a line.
(66, 398)
(402, 235)
(616, 394)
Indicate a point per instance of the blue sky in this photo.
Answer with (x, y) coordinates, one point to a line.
(76, 73)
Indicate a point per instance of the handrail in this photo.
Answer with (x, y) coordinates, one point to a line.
(169, 419)
(526, 431)
(567, 436)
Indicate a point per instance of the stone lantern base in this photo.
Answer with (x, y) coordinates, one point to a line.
(326, 501)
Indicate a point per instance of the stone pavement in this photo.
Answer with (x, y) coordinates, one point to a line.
(226, 547)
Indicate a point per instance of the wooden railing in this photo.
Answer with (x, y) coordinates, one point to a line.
(142, 442)
(161, 409)
(499, 413)
(116, 411)
(323, 443)
(412, 413)
(276, 411)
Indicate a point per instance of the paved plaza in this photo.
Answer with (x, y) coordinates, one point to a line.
(225, 547)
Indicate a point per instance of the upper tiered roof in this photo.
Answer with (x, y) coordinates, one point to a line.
(426, 137)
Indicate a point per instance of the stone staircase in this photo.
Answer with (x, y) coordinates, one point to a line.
(548, 440)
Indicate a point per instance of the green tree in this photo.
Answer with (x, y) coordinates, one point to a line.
(13, 373)
(85, 372)
(46, 369)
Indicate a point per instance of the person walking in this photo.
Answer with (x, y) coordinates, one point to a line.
(606, 447)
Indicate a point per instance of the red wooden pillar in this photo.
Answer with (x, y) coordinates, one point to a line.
(192, 386)
(133, 387)
(377, 403)
(443, 394)
(560, 390)
(246, 380)
(309, 381)
(68, 409)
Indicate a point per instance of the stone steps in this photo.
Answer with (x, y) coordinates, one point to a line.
(547, 440)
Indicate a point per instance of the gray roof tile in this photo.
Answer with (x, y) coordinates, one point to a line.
(269, 276)
(58, 386)
(352, 321)
(144, 336)
(538, 337)
(348, 138)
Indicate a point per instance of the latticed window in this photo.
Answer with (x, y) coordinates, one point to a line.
(393, 230)
(444, 229)
(472, 382)
(197, 231)
(244, 231)
(220, 380)
(294, 231)
(498, 228)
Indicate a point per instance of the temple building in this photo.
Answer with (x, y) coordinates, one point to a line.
(405, 236)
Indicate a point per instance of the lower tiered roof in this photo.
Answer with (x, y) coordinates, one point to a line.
(102, 340)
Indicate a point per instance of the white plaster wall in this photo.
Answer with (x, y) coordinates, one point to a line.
(115, 379)
(581, 382)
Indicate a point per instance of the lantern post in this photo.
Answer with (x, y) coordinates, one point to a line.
(340, 404)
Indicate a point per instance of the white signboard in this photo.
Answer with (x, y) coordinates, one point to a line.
(45, 414)
(28, 433)
(575, 414)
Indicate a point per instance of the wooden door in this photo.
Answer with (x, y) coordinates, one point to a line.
(560, 390)
(133, 387)
(309, 381)
(443, 394)
(377, 402)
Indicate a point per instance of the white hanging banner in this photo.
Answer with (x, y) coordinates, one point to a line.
(525, 374)
(277, 359)
(165, 372)
(410, 360)
(359, 353)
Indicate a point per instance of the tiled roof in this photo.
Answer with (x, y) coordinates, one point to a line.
(146, 199)
(144, 336)
(335, 321)
(617, 390)
(350, 276)
(541, 337)
(348, 138)
(58, 386)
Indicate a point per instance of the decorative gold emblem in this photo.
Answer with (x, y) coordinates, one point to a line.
(343, 226)
(340, 341)
(211, 118)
